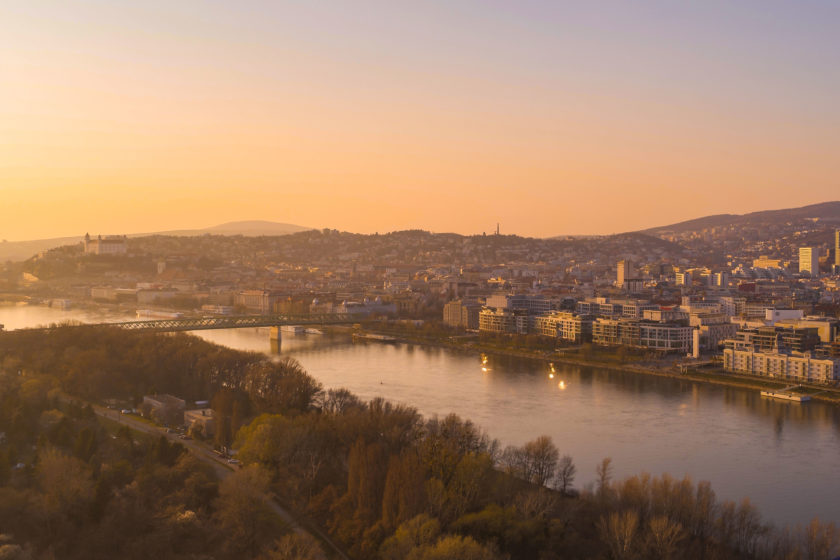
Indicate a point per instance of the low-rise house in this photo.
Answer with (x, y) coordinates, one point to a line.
(203, 418)
(164, 409)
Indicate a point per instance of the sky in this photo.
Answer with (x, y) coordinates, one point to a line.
(548, 117)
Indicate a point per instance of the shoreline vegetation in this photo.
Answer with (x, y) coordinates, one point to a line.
(614, 359)
(381, 480)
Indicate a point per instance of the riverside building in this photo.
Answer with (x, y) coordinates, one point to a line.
(565, 325)
(665, 337)
(793, 366)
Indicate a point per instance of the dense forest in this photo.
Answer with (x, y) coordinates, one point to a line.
(382, 481)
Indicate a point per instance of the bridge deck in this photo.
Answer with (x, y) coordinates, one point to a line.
(229, 322)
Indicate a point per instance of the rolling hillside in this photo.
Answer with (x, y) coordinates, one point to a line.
(22, 250)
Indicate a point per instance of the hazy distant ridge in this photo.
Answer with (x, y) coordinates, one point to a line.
(253, 228)
(828, 211)
(22, 250)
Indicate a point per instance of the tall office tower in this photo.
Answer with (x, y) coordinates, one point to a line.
(837, 248)
(809, 261)
(624, 272)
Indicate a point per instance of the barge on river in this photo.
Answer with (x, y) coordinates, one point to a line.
(373, 337)
(786, 396)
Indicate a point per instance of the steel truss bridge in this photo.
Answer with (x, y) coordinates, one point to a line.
(227, 322)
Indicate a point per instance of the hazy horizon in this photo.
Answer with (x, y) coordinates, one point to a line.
(220, 227)
(550, 118)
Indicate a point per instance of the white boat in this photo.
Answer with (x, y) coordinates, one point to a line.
(786, 396)
(374, 337)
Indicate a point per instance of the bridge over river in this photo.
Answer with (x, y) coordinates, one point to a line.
(222, 322)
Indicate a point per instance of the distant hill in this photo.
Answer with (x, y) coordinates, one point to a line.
(22, 250)
(825, 211)
(253, 228)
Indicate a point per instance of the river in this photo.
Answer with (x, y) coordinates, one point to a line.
(783, 455)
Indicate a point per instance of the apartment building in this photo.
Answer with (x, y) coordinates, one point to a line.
(533, 304)
(511, 321)
(772, 338)
(564, 325)
(607, 307)
(794, 366)
(666, 337)
(461, 313)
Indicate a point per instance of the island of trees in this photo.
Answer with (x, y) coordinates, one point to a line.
(382, 481)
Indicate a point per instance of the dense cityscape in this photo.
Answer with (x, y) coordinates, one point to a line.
(768, 309)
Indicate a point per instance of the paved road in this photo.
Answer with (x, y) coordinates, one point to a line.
(220, 465)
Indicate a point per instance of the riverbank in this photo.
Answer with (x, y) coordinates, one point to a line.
(711, 375)
(612, 361)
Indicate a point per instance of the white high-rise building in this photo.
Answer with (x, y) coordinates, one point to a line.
(837, 248)
(624, 271)
(683, 278)
(809, 261)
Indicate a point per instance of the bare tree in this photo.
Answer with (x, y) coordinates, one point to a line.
(541, 456)
(739, 526)
(537, 504)
(663, 538)
(339, 401)
(619, 533)
(565, 474)
(820, 540)
(535, 461)
(604, 471)
(705, 509)
(513, 462)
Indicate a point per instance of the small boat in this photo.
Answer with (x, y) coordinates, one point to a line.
(374, 337)
(786, 396)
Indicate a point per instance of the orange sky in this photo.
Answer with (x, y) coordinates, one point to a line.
(450, 118)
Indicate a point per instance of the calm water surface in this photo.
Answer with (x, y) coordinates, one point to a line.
(784, 456)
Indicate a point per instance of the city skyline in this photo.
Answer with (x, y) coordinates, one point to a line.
(550, 118)
(273, 228)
